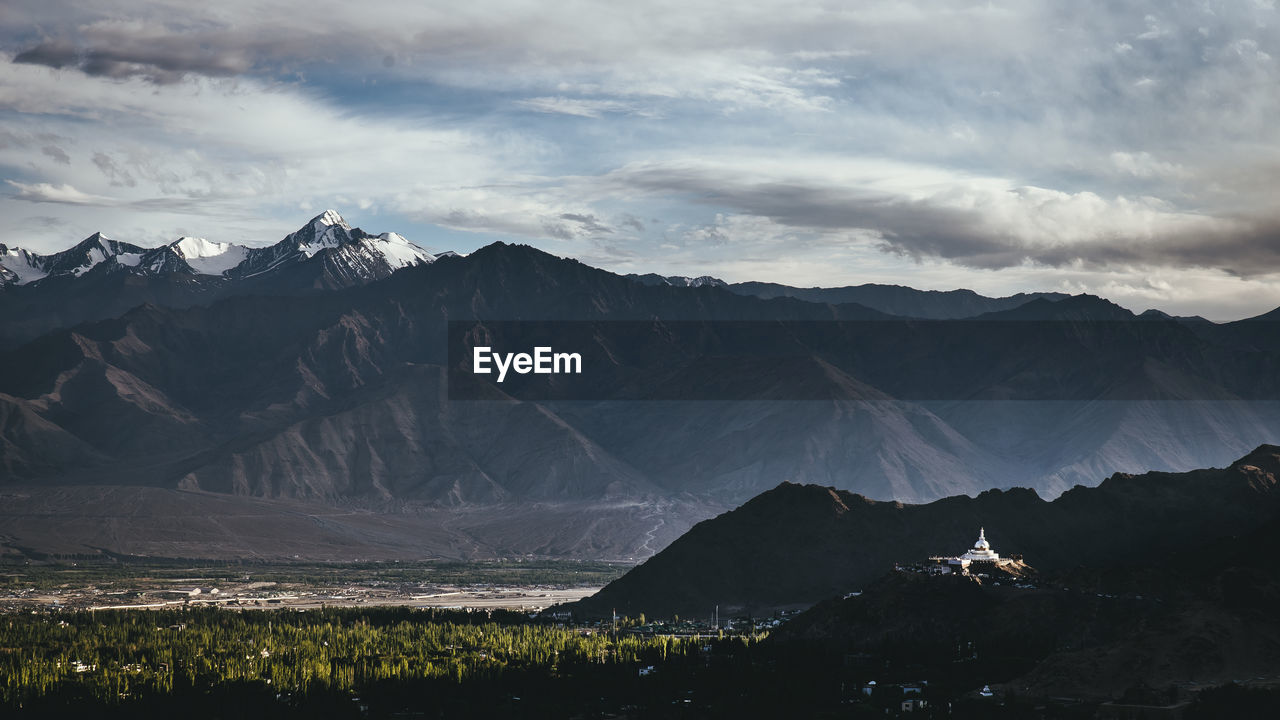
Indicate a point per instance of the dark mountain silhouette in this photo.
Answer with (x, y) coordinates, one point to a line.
(889, 299)
(1134, 634)
(898, 300)
(1196, 611)
(798, 544)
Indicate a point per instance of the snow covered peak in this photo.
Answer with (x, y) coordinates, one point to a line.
(194, 247)
(97, 247)
(209, 258)
(19, 267)
(695, 282)
(325, 230)
(706, 281)
(330, 217)
(348, 256)
(398, 252)
(87, 254)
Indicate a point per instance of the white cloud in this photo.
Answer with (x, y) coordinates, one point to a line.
(580, 107)
(1143, 165)
(1089, 138)
(49, 193)
(223, 148)
(922, 211)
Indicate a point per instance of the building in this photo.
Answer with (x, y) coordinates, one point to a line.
(980, 554)
(979, 561)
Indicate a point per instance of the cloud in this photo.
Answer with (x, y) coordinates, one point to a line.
(47, 193)
(631, 221)
(589, 223)
(495, 45)
(58, 154)
(49, 54)
(240, 155)
(156, 65)
(121, 50)
(1027, 140)
(576, 106)
(117, 175)
(528, 209)
(1143, 165)
(978, 222)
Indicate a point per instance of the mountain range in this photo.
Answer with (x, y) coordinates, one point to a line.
(365, 257)
(891, 299)
(310, 379)
(100, 278)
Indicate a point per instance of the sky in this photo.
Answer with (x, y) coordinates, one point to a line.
(1125, 149)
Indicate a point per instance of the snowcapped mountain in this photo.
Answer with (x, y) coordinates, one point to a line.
(343, 256)
(700, 281)
(19, 266)
(679, 280)
(208, 258)
(347, 255)
(101, 278)
(87, 255)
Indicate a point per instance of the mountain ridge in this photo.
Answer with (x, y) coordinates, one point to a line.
(327, 230)
(290, 391)
(795, 545)
(396, 321)
(99, 278)
(898, 299)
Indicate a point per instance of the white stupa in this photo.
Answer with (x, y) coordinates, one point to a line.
(981, 551)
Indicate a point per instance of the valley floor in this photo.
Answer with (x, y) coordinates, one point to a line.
(142, 522)
(97, 585)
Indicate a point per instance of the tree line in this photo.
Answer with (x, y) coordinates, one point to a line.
(114, 656)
